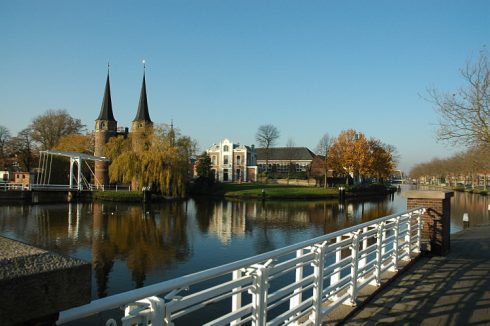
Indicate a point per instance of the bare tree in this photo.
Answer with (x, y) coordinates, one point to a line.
(266, 137)
(22, 146)
(49, 127)
(4, 139)
(323, 149)
(464, 115)
(464, 167)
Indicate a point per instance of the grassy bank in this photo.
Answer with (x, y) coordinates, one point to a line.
(274, 191)
(478, 190)
(122, 196)
(258, 191)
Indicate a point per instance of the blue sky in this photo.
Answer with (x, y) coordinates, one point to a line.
(222, 68)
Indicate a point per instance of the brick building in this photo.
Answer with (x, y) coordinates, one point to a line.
(280, 159)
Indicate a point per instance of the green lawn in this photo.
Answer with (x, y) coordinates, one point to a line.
(254, 190)
(124, 196)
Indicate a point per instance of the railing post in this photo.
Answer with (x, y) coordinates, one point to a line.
(335, 278)
(236, 299)
(419, 232)
(354, 267)
(396, 253)
(259, 295)
(318, 272)
(144, 311)
(298, 293)
(408, 238)
(363, 261)
(379, 253)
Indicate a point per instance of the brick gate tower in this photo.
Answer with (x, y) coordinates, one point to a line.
(141, 125)
(105, 128)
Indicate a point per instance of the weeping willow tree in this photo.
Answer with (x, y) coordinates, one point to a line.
(162, 162)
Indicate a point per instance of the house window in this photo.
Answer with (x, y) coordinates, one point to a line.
(213, 160)
(225, 148)
(237, 174)
(238, 159)
(225, 174)
(225, 159)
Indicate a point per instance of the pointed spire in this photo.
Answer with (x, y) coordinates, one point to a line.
(143, 113)
(106, 107)
(171, 133)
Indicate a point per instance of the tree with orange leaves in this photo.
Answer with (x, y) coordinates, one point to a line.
(354, 155)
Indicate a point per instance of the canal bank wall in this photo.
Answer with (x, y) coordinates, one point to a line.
(42, 197)
(36, 284)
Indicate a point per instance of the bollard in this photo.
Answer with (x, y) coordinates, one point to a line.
(146, 194)
(341, 193)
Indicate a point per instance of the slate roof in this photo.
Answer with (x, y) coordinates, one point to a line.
(106, 107)
(143, 114)
(285, 154)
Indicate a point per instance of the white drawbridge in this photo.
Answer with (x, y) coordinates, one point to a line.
(77, 179)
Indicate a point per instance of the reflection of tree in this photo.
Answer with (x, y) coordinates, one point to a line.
(204, 212)
(146, 240)
(264, 243)
(328, 215)
(145, 243)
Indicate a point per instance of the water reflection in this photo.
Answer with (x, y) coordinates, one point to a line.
(131, 246)
(475, 205)
(145, 240)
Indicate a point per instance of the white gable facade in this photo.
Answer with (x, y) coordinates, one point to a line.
(232, 162)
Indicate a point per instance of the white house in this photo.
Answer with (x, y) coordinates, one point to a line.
(233, 162)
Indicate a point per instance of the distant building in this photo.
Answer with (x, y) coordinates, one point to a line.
(4, 176)
(280, 159)
(233, 162)
(23, 178)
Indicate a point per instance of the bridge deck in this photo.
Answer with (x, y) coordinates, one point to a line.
(450, 290)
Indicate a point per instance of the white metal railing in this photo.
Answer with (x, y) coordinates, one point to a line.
(4, 186)
(32, 186)
(13, 186)
(115, 187)
(51, 187)
(298, 284)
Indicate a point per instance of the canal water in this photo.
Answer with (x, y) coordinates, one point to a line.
(131, 246)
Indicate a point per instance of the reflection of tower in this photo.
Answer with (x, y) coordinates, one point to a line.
(102, 252)
(141, 126)
(105, 128)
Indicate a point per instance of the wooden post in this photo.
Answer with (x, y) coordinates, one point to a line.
(436, 221)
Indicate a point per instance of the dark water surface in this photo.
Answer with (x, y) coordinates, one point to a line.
(131, 246)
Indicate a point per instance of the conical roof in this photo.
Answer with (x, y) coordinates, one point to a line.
(106, 108)
(143, 114)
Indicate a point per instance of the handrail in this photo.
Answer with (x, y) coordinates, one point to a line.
(394, 237)
(37, 186)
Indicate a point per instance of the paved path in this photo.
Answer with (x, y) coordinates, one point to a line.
(450, 290)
